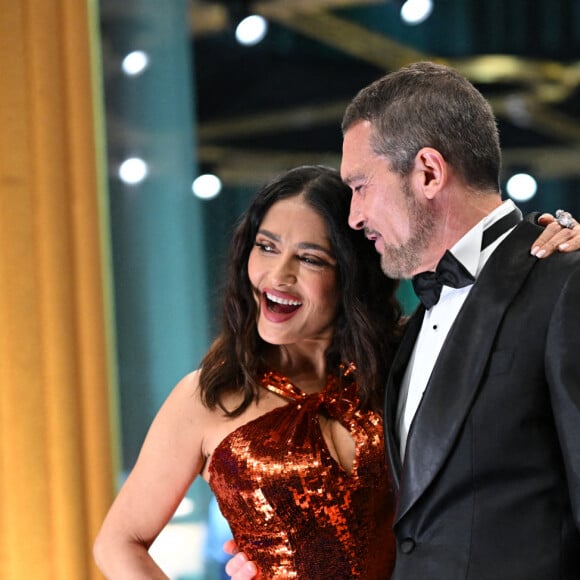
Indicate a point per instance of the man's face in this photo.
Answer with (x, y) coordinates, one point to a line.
(384, 205)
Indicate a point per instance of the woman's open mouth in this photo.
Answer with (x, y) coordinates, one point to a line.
(279, 305)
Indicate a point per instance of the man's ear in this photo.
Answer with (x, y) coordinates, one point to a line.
(430, 172)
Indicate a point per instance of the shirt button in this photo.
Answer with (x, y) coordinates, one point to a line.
(407, 545)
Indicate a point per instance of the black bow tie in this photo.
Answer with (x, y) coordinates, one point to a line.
(450, 272)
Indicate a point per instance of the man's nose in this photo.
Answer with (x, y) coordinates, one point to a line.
(355, 219)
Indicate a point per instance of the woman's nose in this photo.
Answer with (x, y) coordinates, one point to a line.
(285, 272)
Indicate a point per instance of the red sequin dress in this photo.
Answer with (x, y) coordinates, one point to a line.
(291, 507)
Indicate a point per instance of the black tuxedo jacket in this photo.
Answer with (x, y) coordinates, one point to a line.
(490, 484)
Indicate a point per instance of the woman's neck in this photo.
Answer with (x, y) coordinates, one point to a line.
(303, 367)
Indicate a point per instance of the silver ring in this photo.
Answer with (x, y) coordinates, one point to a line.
(565, 219)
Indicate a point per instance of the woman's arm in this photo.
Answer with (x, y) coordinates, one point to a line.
(170, 459)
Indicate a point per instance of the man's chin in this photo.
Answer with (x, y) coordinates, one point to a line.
(395, 266)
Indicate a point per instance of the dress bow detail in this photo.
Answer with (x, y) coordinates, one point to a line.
(339, 398)
(450, 272)
(340, 402)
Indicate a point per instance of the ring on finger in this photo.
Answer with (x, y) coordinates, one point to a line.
(565, 219)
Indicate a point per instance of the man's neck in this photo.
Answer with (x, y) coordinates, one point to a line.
(460, 214)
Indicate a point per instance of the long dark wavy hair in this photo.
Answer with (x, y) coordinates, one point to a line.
(366, 328)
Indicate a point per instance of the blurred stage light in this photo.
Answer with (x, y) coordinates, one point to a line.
(135, 63)
(521, 187)
(133, 171)
(207, 186)
(251, 30)
(416, 11)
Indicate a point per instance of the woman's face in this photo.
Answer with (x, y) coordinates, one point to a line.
(292, 269)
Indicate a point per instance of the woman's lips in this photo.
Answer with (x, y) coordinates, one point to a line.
(278, 307)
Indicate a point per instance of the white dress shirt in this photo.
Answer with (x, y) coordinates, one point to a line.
(439, 319)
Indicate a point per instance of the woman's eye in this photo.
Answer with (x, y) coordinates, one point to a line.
(264, 246)
(312, 260)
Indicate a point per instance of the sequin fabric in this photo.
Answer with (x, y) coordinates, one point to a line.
(292, 508)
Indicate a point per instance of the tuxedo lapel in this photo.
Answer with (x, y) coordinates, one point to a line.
(398, 367)
(459, 368)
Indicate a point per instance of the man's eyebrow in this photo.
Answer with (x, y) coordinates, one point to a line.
(349, 179)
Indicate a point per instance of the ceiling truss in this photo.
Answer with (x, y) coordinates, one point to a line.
(544, 84)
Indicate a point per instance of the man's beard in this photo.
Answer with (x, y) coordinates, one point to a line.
(399, 262)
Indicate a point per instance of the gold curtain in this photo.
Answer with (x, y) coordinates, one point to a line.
(56, 471)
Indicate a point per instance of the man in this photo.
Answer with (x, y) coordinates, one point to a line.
(482, 412)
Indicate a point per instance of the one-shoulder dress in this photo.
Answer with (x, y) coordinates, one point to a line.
(292, 508)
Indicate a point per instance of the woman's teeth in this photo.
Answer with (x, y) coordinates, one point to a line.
(283, 301)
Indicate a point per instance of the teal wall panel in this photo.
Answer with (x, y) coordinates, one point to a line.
(157, 230)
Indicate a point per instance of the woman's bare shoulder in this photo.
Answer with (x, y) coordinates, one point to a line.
(187, 392)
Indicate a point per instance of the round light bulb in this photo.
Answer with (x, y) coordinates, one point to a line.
(135, 63)
(207, 186)
(133, 170)
(251, 30)
(521, 187)
(416, 11)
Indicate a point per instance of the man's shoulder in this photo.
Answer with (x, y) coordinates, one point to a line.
(559, 267)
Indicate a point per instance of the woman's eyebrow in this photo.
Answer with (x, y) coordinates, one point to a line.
(313, 246)
(269, 234)
(301, 245)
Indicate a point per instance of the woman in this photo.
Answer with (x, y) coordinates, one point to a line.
(282, 419)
